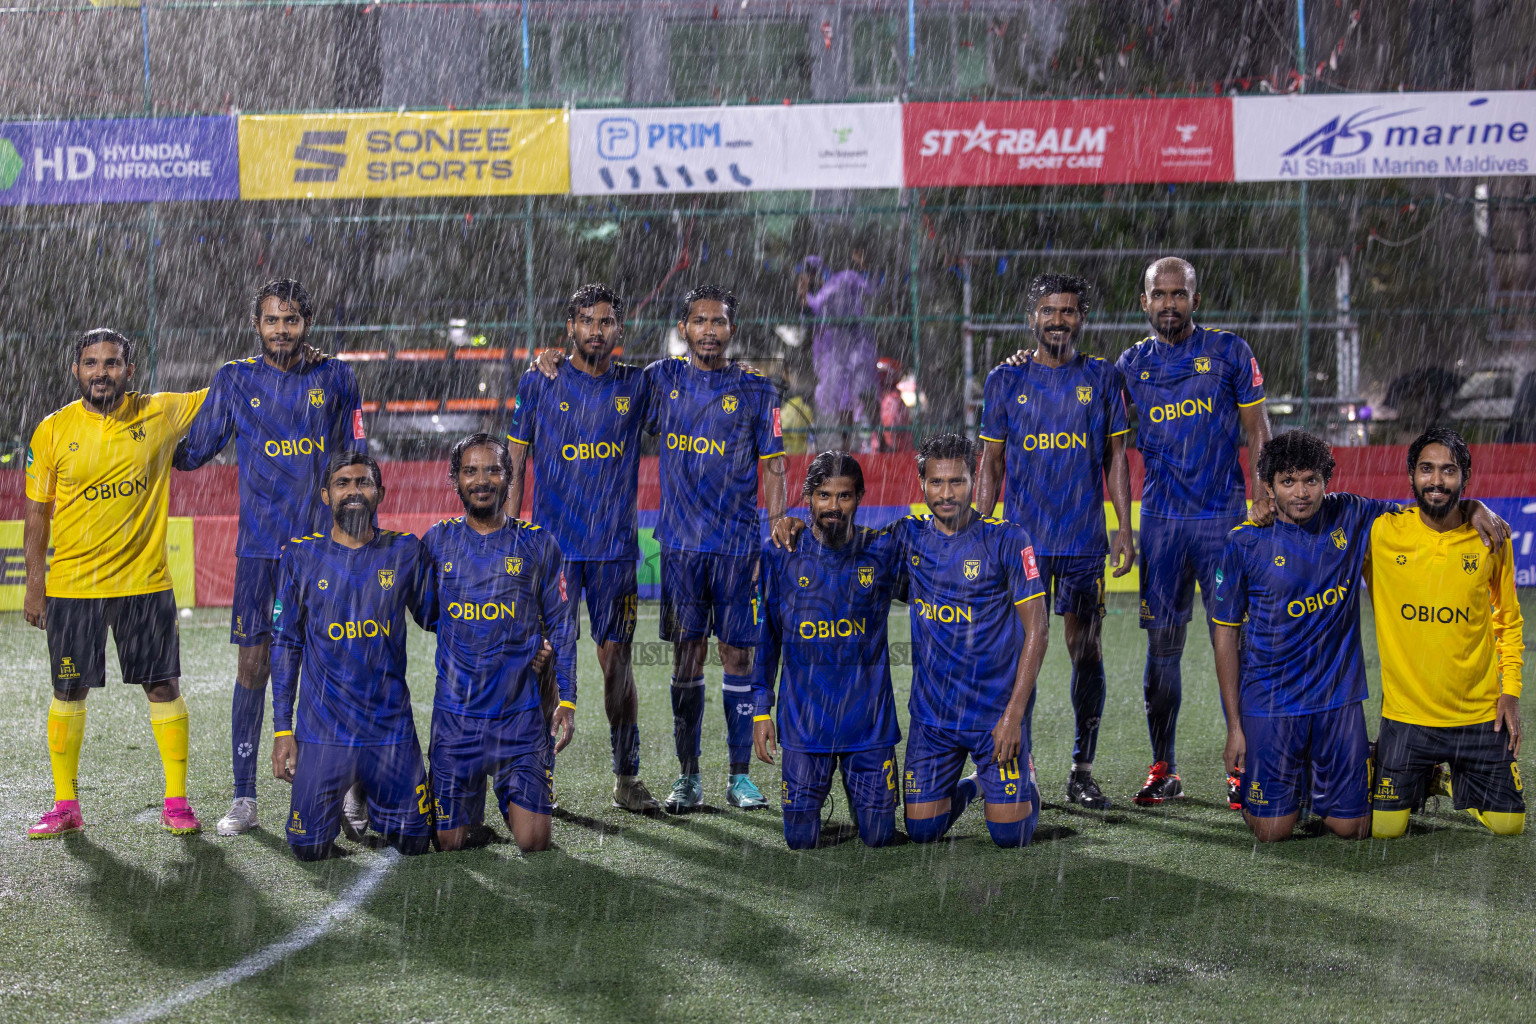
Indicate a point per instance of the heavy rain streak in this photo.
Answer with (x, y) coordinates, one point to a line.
(651, 510)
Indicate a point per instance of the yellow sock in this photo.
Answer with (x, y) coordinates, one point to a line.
(1388, 824)
(169, 721)
(1500, 823)
(66, 734)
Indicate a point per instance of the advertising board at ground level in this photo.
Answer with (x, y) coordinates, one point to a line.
(126, 160)
(447, 153)
(735, 149)
(1067, 142)
(1384, 135)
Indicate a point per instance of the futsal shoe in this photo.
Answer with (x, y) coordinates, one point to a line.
(631, 794)
(1083, 790)
(354, 813)
(743, 793)
(687, 794)
(178, 819)
(63, 820)
(1234, 791)
(240, 819)
(1161, 785)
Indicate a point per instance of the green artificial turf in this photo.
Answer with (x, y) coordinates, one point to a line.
(1171, 914)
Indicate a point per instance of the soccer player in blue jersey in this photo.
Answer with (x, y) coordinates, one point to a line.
(288, 413)
(583, 430)
(1199, 394)
(339, 618)
(1055, 427)
(501, 592)
(978, 638)
(824, 615)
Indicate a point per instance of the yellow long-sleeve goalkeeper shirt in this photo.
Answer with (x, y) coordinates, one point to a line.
(1448, 623)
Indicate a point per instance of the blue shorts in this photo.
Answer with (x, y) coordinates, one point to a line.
(250, 620)
(870, 774)
(516, 752)
(612, 593)
(1326, 752)
(703, 592)
(1078, 582)
(1174, 554)
(392, 776)
(935, 757)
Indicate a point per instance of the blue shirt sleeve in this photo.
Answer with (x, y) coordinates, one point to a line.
(1247, 381)
(1023, 568)
(765, 666)
(1230, 603)
(559, 621)
(770, 435)
(352, 436)
(287, 643)
(994, 408)
(423, 602)
(212, 427)
(1114, 396)
(524, 421)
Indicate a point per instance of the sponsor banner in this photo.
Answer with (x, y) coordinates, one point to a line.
(736, 149)
(448, 153)
(129, 160)
(1384, 135)
(1068, 142)
(1520, 513)
(178, 556)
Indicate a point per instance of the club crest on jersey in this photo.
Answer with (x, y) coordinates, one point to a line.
(1469, 564)
(316, 397)
(1202, 364)
(729, 403)
(386, 578)
(514, 566)
(972, 568)
(1339, 540)
(866, 576)
(1084, 394)
(137, 433)
(621, 404)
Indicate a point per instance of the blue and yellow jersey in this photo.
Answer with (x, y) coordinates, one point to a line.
(1189, 429)
(585, 436)
(1295, 591)
(1448, 622)
(714, 427)
(822, 621)
(286, 425)
(1055, 424)
(498, 596)
(966, 634)
(107, 477)
(340, 617)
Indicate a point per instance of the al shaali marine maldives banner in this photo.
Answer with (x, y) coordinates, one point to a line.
(127, 160)
(1384, 135)
(439, 153)
(735, 149)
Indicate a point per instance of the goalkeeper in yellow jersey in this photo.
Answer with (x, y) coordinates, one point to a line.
(1449, 630)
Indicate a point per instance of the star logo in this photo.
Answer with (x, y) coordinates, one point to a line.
(914, 559)
(74, 446)
(1023, 399)
(1402, 559)
(255, 403)
(244, 750)
(1280, 560)
(447, 567)
(565, 406)
(322, 584)
(979, 137)
(804, 581)
(673, 396)
(1146, 375)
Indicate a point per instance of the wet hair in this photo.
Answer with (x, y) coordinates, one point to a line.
(341, 460)
(480, 440)
(100, 335)
(709, 291)
(1295, 450)
(832, 464)
(1058, 284)
(946, 446)
(589, 295)
(1454, 443)
(288, 290)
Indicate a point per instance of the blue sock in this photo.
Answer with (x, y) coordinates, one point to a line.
(736, 695)
(1087, 707)
(966, 790)
(876, 828)
(928, 830)
(1163, 689)
(687, 722)
(802, 829)
(626, 748)
(1011, 834)
(245, 718)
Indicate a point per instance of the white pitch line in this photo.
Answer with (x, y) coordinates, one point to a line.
(263, 959)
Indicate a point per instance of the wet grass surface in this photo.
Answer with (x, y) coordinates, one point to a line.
(1128, 915)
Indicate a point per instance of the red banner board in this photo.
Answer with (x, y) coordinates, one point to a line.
(1067, 142)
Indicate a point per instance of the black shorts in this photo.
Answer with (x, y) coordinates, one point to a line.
(1484, 775)
(144, 627)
